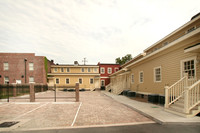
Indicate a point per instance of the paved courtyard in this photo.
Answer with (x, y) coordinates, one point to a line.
(94, 108)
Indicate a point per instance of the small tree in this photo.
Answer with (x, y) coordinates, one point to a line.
(124, 59)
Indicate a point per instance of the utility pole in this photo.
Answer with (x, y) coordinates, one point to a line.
(84, 60)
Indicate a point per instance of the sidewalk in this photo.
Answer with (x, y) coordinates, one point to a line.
(153, 111)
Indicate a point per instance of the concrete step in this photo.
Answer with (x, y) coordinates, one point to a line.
(180, 111)
(177, 108)
(179, 104)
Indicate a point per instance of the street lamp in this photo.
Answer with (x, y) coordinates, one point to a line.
(25, 69)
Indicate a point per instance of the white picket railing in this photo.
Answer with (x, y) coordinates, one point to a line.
(192, 97)
(174, 92)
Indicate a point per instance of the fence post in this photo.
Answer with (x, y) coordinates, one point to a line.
(42, 87)
(32, 93)
(8, 91)
(166, 97)
(55, 92)
(14, 90)
(77, 92)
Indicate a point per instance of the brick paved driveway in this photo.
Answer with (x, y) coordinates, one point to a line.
(94, 108)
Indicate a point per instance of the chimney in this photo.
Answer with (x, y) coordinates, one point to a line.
(75, 63)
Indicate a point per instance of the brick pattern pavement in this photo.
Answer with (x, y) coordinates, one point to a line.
(96, 109)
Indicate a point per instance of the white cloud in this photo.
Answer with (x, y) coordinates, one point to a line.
(100, 30)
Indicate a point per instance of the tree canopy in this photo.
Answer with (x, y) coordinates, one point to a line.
(124, 59)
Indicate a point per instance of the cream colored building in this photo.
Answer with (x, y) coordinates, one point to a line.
(87, 76)
(163, 64)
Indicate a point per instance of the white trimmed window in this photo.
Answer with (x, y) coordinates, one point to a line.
(82, 69)
(91, 81)
(102, 70)
(116, 69)
(31, 66)
(102, 82)
(62, 69)
(80, 80)
(157, 74)
(57, 81)
(31, 80)
(189, 66)
(141, 77)
(67, 80)
(6, 79)
(5, 66)
(68, 70)
(132, 78)
(109, 70)
(95, 69)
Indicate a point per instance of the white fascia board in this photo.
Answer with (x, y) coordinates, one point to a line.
(167, 46)
(174, 32)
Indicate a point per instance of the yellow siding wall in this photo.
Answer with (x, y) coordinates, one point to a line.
(170, 63)
(74, 79)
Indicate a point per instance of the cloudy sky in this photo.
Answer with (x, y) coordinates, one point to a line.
(100, 30)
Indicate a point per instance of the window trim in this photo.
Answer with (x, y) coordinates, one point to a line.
(182, 66)
(67, 69)
(95, 70)
(81, 80)
(89, 69)
(132, 78)
(142, 77)
(31, 81)
(102, 68)
(110, 70)
(82, 69)
(154, 74)
(62, 69)
(6, 66)
(55, 69)
(5, 80)
(90, 81)
(104, 82)
(66, 81)
(31, 66)
(116, 69)
(58, 81)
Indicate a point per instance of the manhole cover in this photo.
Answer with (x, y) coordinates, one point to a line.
(8, 124)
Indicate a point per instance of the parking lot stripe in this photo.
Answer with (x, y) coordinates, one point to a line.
(63, 102)
(27, 103)
(30, 111)
(76, 114)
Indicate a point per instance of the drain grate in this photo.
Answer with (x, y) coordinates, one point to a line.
(8, 124)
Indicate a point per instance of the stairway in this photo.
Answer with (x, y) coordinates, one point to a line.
(183, 98)
(178, 109)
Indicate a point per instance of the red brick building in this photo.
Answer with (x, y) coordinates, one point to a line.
(105, 70)
(23, 68)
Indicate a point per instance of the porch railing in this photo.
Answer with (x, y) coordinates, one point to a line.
(192, 97)
(174, 92)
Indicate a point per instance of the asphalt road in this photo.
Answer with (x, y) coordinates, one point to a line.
(143, 128)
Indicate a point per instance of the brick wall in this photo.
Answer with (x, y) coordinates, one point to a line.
(17, 67)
